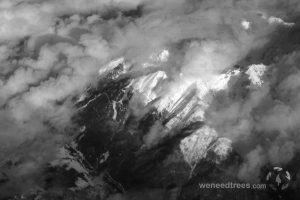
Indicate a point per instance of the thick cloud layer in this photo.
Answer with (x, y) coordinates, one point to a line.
(52, 50)
(263, 122)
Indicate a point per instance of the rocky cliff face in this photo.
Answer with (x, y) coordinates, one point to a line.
(118, 149)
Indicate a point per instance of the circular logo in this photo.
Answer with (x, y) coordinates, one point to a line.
(278, 179)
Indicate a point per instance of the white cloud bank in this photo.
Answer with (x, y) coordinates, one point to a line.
(51, 50)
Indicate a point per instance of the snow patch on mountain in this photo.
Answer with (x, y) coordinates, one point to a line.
(246, 24)
(195, 147)
(146, 85)
(222, 148)
(255, 73)
(202, 142)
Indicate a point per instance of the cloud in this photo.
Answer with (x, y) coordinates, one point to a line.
(52, 50)
(263, 121)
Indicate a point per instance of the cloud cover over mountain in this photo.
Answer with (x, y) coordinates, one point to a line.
(51, 51)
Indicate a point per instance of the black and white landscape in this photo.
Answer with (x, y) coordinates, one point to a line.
(149, 99)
